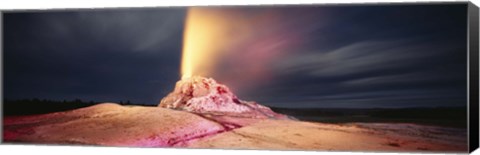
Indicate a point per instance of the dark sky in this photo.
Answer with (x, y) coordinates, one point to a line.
(334, 56)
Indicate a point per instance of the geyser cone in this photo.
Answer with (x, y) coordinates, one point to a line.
(204, 95)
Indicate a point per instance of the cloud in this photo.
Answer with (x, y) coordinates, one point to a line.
(130, 30)
(402, 78)
(362, 57)
(101, 55)
(297, 57)
(373, 73)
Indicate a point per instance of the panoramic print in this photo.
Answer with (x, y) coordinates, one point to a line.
(308, 77)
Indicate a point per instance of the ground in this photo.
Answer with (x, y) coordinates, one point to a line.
(110, 124)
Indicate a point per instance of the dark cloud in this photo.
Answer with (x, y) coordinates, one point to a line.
(375, 57)
(337, 56)
(102, 55)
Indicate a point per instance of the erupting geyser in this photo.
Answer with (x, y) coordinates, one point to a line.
(209, 35)
(204, 40)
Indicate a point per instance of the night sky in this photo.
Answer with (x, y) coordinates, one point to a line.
(299, 56)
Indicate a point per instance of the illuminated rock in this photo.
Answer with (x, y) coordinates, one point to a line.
(206, 96)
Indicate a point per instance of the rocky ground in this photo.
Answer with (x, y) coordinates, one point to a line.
(110, 124)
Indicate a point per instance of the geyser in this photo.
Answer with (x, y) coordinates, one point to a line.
(202, 40)
(209, 35)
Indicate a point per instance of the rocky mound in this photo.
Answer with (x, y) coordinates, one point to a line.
(206, 96)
